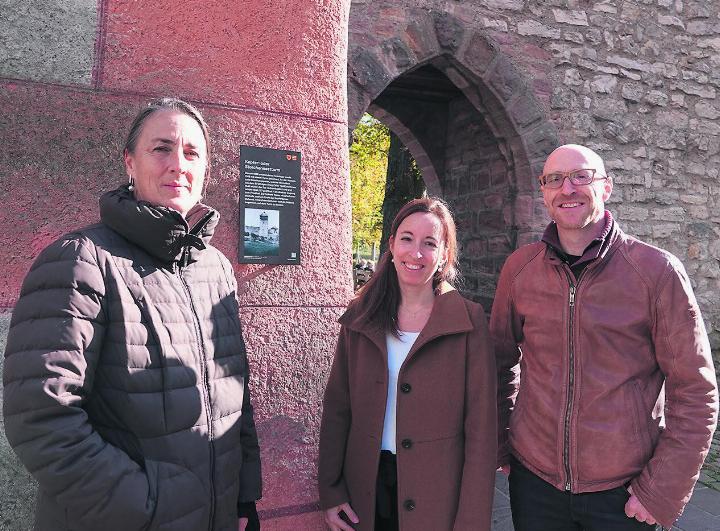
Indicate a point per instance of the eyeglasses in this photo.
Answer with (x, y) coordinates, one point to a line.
(577, 177)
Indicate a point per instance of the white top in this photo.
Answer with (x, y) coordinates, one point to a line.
(397, 352)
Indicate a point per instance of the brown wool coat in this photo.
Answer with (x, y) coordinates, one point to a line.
(446, 411)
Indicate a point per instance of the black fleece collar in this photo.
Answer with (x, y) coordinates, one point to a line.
(160, 231)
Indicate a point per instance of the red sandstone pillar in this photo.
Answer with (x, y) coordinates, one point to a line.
(266, 73)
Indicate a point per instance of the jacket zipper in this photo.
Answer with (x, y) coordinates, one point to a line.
(206, 390)
(571, 384)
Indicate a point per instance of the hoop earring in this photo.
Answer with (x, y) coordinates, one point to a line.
(131, 183)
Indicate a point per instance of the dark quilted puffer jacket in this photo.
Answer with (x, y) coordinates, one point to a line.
(126, 378)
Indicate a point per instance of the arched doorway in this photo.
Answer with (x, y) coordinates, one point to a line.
(469, 118)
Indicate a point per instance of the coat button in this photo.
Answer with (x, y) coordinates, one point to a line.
(409, 505)
(406, 388)
(406, 443)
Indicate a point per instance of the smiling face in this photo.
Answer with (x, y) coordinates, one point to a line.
(418, 248)
(169, 161)
(576, 207)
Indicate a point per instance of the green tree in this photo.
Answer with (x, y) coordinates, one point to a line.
(368, 169)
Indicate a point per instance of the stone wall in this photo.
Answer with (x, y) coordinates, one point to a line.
(635, 80)
(475, 186)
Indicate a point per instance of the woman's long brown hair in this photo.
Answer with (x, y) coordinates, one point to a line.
(379, 299)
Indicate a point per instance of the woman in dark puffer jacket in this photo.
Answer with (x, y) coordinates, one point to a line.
(126, 381)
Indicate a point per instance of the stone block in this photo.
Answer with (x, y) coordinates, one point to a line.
(669, 214)
(694, 89)
(664, 230)
(367, 71)
(573, 77)
(699, 212)
(709, 127)
(474, 247)
(670, 20)
(632, 213)
(479, 53)
(632, 92)
(702, 27)
(692, 199)
(655, 97)
(449, 31)
(562, 98)
(572, 17)
(630, 64)
(540, 141)
(48, 40)
(630, 75)
(574, 36)
(605, 6)
(510, 5)
(494, 24)
(420, 35)
(707, 110)
(525, 111)
(623, 133)
(609, 109)
(604, 84)
(666, 197)
(398, 54)
(677, 100)
(499, 245)
(533, 28)
(504, 78)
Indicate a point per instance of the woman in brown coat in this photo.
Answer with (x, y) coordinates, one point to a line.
(408, 436)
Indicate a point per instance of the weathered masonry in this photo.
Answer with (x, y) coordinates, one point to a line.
(481, 91)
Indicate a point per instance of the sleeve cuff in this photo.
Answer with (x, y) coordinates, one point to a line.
(249, 510)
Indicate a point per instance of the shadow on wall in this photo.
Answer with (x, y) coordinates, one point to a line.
(17, 487)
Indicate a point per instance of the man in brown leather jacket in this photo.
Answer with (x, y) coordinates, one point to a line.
(607, 392)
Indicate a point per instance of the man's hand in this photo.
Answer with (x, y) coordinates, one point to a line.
(635, 509)
(242, 524)
(333, 520)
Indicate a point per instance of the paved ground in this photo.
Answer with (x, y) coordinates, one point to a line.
(701, 514)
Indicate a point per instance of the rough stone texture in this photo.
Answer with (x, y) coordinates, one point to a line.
(263, 75)
(51, 169)
(266, 54)
(636, 81)
(30, 35)
(17, 488)
(288, 401)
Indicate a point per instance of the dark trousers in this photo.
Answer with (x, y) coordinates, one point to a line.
(538, 506)
(386, 503)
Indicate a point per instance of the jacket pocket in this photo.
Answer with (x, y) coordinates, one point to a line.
(177, 496)
(640, 422)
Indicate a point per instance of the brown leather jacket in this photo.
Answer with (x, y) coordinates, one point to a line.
(590, 357)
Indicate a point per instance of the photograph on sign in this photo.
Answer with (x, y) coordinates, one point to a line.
(262, 232)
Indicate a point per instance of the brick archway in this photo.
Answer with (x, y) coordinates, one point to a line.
(468, 116)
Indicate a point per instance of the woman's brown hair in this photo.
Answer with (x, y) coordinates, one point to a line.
(379, 299)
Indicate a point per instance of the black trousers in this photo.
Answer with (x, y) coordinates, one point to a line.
(538, 506)
(386, 502)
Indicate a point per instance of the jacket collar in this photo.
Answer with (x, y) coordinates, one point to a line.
(160, 231)
(597, 249)
(449, 316)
